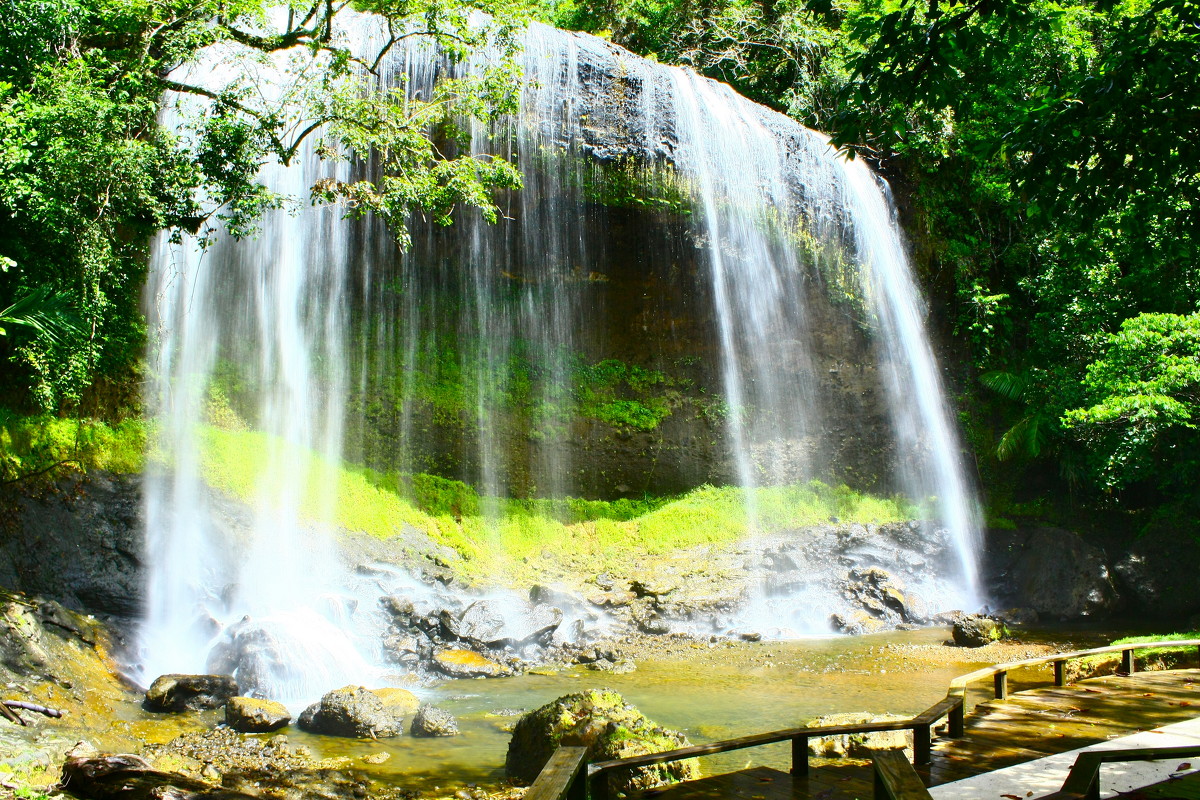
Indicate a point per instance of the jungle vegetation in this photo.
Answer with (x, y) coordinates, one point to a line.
(1046, 156)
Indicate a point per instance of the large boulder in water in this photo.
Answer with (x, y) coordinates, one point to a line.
(609, 727)
(433, 721)
(976, 630)
(189, 692)
(252, 715)
(351, 711)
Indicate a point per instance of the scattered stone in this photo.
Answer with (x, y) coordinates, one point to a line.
(351, 711)
(434, 721)
(750, 636)
(976, 630)
(467, 664)
(174, 693)
(251, 715)
(857, 745)
(609, 727)
(377, 758)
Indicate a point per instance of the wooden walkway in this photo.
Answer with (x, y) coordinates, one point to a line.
(998, 733)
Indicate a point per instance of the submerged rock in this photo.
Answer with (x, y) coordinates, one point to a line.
(467, 664)
(189, 692)
(251, 715)
(609, 727)
(857, 745)
(975, 630)
(351, 711)
(433, 721)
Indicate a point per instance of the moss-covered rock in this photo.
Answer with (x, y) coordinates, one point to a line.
(602, 721)
(467, 664)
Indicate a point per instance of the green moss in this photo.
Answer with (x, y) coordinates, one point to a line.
(30, 445)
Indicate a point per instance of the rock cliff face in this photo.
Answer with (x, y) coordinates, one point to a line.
(77, 540)
(577, 346)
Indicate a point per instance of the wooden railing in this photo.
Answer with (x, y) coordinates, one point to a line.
(563, 776)
(1083, 781)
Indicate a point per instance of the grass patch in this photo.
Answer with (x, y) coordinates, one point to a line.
(1161, 637)
(1154, 658)
(524, 540)
(36, 445)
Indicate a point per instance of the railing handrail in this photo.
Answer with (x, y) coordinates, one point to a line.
(952, 705)
(962, 680)
(1083, 781)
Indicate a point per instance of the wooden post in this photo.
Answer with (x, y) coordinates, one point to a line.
(1060, 673)
(1001, 681)
(579, 787)
(800, 756)
(922, 750)
(956, 718)
(598, 790)
(1127, 664)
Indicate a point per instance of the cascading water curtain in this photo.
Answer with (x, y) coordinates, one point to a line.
(321, 340)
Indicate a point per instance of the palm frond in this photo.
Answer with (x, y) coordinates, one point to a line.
(1006, 384)
(43, 311)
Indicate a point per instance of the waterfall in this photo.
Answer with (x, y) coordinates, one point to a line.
(669, 232)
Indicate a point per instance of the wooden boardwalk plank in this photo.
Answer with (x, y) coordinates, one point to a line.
(998, 733)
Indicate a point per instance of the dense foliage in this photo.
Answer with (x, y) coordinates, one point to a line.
(88, 174)
(1049, 153)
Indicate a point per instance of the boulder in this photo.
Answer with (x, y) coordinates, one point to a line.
(467, 664)
(252, 715)
(609, 727)
(351, 711)
(857, 745)
(433, 721)
(190, 692)
(487, 623)
(976, 630)
(880, 594)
